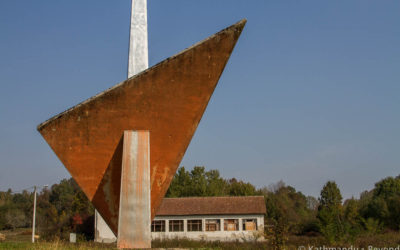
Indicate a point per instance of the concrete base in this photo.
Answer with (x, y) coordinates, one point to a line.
(134, 219)
(102, 232)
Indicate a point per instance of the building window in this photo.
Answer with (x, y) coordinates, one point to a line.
(231, 224)
(213, 225)
(176, 225)
(194, 225)
(249, 224)
(158, 226)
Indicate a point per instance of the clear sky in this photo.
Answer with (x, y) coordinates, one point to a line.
(310, 94)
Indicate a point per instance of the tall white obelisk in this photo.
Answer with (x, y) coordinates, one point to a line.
(137, 62)
(138, 46)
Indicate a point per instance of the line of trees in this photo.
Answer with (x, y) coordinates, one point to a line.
(376, 211)
(291, 212)
(199, 183)
(60, 210)
(64, 208)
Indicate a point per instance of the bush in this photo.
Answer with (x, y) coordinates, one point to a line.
(372, 226)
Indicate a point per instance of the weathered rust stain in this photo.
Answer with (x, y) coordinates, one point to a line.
(168, 99)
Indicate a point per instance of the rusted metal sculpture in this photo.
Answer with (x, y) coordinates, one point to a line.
(168, 100)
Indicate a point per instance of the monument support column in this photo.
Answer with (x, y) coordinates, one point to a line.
(137, 61)
(134, 210)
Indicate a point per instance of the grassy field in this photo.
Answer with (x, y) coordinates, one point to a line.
(52, 245)
(20, 239)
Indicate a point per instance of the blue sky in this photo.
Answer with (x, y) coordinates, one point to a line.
(310, 94)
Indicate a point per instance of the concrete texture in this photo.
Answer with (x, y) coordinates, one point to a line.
(137, 62)
(102, 232)
(138, 46)
(168, 99)
(134, 210)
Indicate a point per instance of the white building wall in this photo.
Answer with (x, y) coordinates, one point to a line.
(214, 235)
(107, 236)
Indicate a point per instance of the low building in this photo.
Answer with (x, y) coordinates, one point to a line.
(210, 218)
(202, 218)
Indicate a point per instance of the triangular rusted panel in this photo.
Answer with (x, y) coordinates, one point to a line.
(168, 99)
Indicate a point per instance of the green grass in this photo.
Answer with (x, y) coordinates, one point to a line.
(54, 245)
(20, 239)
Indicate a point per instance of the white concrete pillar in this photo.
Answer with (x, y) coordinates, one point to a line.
(138, 45)
(103, 233)
(134, 219)
(137, 61)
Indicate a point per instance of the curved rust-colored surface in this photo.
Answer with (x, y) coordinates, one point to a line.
(168, 99)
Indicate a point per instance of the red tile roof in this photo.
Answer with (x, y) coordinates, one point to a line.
(212, 205)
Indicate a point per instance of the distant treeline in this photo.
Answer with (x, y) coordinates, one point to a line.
(64, 208)
(60, 210)
(291, 212)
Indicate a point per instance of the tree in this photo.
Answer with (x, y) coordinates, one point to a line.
(15, 218)
(288, 209)
(199, 182)
(388, 187)
(312, 203)
(351, 212)
(240, 188)
(352, 218)
(330, 213)
(216, 185)
(180, 184)
(330, 196)
(384, 203)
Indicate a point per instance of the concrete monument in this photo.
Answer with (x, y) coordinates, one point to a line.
(137, 62)
(146, 122)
